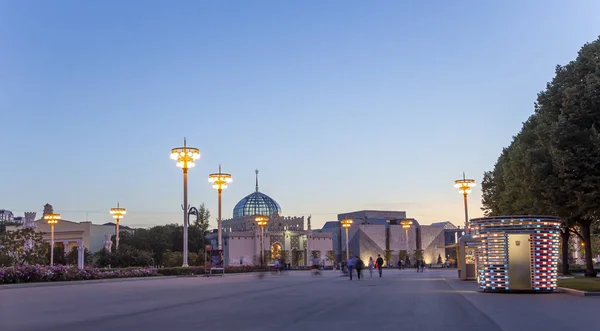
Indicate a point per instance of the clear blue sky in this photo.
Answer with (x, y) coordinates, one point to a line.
(342, 105)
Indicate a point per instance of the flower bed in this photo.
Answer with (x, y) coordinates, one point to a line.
(42, 273)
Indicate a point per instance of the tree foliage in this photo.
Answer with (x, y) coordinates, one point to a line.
(552, 166)
(126, 256)
(24, 246)
(162, 238)
(202, 219)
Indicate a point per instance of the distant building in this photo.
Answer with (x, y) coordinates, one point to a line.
(68, 234)
(284, 237)
(6, 216)
(376, 232)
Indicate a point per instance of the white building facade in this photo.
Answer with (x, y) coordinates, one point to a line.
(285, 238)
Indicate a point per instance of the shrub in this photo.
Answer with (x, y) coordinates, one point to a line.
(126, 256)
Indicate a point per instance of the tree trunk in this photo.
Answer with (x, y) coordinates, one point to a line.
(589, 263)
(565, 235)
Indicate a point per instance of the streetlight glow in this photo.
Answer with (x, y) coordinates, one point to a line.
(52, 219)
(219, 181)
(262, 222)
(464, 186)
(117, 214)
(346, 224)
(406, 225)
(185, 157)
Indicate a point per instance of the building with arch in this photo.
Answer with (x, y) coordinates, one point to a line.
(285, 237)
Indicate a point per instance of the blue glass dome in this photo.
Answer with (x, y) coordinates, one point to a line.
(256, 203)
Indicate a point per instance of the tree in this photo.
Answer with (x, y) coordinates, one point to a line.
(60, 258)
(553, 165)
(388, 253)
(331, 256)
(73, 255)
(24, 246)
(418, 253)
(202, 219)
(126, 256)
(402, 255)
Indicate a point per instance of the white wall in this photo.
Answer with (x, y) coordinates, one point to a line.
(241, 248)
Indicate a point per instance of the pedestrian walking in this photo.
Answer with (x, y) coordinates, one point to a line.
(350, 265)
(379, 263)
(359, 265)
(371, 265)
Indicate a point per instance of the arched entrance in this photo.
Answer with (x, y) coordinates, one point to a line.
(276, 251)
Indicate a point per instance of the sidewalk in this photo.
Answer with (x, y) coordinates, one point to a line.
(531, 311)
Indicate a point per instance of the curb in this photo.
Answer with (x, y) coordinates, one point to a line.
(80, 282)
(577, 292)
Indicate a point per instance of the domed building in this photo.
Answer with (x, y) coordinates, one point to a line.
(285, 238)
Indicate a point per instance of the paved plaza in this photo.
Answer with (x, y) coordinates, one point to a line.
(401, 300)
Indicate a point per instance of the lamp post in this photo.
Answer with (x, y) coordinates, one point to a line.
(406, 225)
(117, 215)
(52, 219)
(346, 224)
(219, 181)
(186, 157)
(464, 186)
(262, 222)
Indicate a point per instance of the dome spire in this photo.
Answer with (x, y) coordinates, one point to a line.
(256, 171)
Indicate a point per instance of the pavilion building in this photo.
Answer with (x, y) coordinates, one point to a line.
(284, 236)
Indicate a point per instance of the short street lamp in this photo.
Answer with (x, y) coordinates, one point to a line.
(346, 224)
(117, 215)
(219, 181)
(186, 157)
(464, 186)
(262, 222)
(52, 219)
(406, 225)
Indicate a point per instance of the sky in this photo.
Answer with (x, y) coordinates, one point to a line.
(341, 105)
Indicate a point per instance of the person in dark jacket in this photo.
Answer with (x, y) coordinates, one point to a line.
(359, 266)
(379, 263)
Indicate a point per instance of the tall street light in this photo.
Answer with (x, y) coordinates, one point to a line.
(186, 157)
(346, 224)
(406, 225)
(52, 219)
(117, 215)
(219, 181)
(464, 186)
(262, 222)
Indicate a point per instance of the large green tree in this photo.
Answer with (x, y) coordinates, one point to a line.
(553, 165)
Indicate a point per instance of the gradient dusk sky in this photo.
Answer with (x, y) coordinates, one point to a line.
(341, 105)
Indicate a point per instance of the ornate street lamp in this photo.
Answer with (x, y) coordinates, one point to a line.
(262, 222)
(117, 215)
(406, 225)
(186, 157)
(219, 181)
(52, 219)
(464, 186)
(346, 224)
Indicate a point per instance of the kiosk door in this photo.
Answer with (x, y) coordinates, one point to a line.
(519, 261)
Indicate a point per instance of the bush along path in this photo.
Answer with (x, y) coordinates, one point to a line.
(43, 273)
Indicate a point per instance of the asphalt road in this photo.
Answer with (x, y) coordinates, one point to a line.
(298, 301)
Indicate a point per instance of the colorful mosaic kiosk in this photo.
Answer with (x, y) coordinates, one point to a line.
(506, 244)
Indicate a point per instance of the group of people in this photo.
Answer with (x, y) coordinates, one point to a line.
(358, 264)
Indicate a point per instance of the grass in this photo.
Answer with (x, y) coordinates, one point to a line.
(581, 283)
